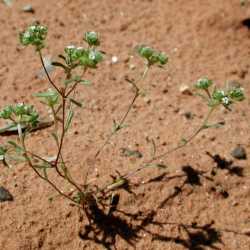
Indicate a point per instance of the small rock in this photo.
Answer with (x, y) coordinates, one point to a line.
(212, 138)
(235, 203)
(239, 153)
(114, 59)
(124, 26)
(188, 115)
(5, 195)
(185, 90)
(132, 66)
(176, 110)
(246, 231)
(28, 8)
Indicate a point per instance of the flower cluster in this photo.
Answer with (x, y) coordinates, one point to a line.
(152, 56)
(34, 35)
(203, 83)
(226, 98)
(85, 57)
(219, 96)
(92, 38)
(20, 113)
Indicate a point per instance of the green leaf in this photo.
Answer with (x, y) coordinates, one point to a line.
(69, 119)
(131, 153)
(68, 81)
(54, 135)
(51, 97)
(156, 165)
(16, 146)
(58, 64)
(17, 158)
(183, 142)
(85, 82)
(45, 94)
(78, 104)
(45, 166)
(42, 166)
(78, 79)
(216, 125)
(62, 57)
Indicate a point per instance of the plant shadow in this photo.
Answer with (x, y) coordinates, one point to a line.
(105, 227)
(197, 237)
(224, 164)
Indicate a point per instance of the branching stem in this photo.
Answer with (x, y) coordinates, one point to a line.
(120, 125)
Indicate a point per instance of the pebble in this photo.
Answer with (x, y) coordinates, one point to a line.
(246, 231)
(185, 90)
(5, 195)
(239, 153)
(132, 66)
(28, 8)
(114, 59)
(188, 115)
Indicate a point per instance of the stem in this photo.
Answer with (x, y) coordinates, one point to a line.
(54, 118)
(63, 131)
(59, 153)
(208, 93)
(38, 157)
(75, 84)
(120, 125)
(187, 141)
(47, 74)
(21, 138)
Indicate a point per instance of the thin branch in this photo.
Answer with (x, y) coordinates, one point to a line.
(120, 125)
(185, 141)
(160, 156)
(47, 74)
(76, 83)
(21, 138)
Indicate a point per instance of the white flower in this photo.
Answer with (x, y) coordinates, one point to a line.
(92, 55)
(225, 100)
(71, 47)
(32, 28)
(26, 35)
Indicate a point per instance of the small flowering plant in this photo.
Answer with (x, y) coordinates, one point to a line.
(219, 96)
(75, 62)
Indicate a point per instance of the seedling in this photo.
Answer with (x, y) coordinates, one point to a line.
(75, 62)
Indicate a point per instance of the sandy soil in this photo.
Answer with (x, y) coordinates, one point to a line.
(167, 210)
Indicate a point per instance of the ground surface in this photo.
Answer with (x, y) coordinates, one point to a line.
(202, 38)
